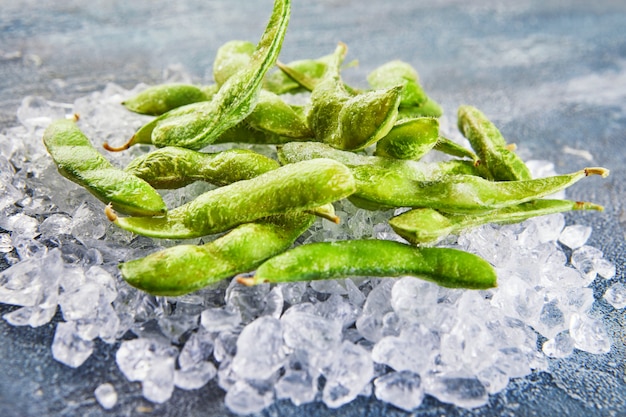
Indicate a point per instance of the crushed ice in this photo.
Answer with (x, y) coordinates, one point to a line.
(396, 339)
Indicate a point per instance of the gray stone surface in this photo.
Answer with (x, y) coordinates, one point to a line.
(551, 74)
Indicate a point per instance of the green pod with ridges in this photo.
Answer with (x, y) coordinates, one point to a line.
(274, 116)
(379, 258)
(78, 161)
(399, 73)
(409, 139)
(430, 108)
(281, 82)
(230, 58)
(162, 98)
(199, 124)
(452, 148)
(183, 269)
(457, 193)
(426, 225)
(350, 121)
(172, 167)
(294, 187)
(501, 163)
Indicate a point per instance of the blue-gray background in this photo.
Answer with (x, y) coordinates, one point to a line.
(551, 74)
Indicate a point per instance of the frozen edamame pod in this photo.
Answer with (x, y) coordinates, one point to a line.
(490, 146)
(399, 73)
(450, 147)
(350, 121)
(78, 161)
(279, 82)
(381, 258)
(409, 139)
(173, 167)
(430, 108)
(185, 268)
(294, 187)
(230, 58)
(425, 225)
(274, 116)
(162, 98)
(456, 193)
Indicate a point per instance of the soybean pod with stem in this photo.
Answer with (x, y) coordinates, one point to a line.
(160, 99)
(379, 258)
(426, 225)
(78, 161)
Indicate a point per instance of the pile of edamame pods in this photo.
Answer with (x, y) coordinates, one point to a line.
(345, 143)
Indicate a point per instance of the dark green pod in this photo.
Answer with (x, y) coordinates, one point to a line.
(173, 167)
(162, 98)
(78, 161)
(185, 268)
(294, 187)
(379, 258)
(425, 225)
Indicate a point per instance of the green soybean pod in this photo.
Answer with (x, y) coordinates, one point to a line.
(399, 73)
(281, 82)
(489, 144)
(78, 161)
(380, 258)
(426, 225)
(230, 58)
(162, 98)
(274, 116)
(450, 147)
(294, 187)
(409, 139)
(183, 269)
(346, 120)
(430, 108)
(456, 193)
(172, 167)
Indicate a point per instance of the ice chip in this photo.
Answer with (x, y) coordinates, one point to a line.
(413, 298)
(260, 350)
(220, 319)
(55, 225)
(298, 386)
(195, 376)
(244, 398)
(198, 348)
(401, 389)
(6, 244)
(338, 309)
(158, 384)
(616, 295)
(106, 396)
(136, 357)
(493, 378)
(575, 236)
(88, 223)
(69, 348)
(584, 259)
(604, 268)
(250, 301)
(34, 316)
(462, 391)
(350, 371)
(225, 345)
(589, 334)
(561, 346)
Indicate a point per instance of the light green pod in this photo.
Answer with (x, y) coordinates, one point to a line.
(350, 121)
(162, 98)
(455, 193)
(379, 258)
(399, 73)
(281, 82)
(450, 147)
(490, 146)
(230, 58)
(274, 116)
(409, 139)
(294, 187)
(173, 167)
(430, 108)
(185, 268)
(425, 225)
(78, 161)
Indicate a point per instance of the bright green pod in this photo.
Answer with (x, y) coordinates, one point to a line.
(281, 82)
(274, 116)
(78, 161)
(490, 146)
(450, 147)
(162, 98)
(230, 58)
(173, 167)
(183, 269)
(399, 73)
(350, 121)
(379, 258)
(456, 193)
(409, 139)
(430, 108)
(294, 187)
(426, 225)
(196, 125)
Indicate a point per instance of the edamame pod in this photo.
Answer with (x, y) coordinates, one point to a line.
(350, 121)
(173, 167)
(230, 58)
(425, 225)
(409, 139)
(399, 73)
(430, 108)
(78, 161)
(380, 258)
(294, 187)
(449, 147)
(280, 82)
(456, 193)
(274, 116)
(162, 98)
(185, 268)
(485, 138)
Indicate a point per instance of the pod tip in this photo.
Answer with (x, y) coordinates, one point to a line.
(603, 172)
(110, 213)
(247, 281)
(125, 146)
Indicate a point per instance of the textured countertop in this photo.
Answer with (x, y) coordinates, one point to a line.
(550, 74)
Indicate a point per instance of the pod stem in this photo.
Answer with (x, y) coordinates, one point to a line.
(247, 281)
(585, 205)
(603, 172)
(125, 146)
(110, 213)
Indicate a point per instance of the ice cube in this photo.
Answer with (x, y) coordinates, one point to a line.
(195, 376)
(616, 295)
(460, 390)
(244, 398)
(584, 259)
(69, 348)
(561, 346)
(298, 386)
(158, 385)
(260, 350)
(575, 236)
(349, 372)
(589, 334)
(401, 389)
(136, 357)
(106, 396)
